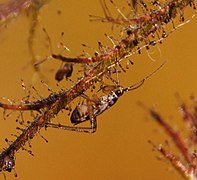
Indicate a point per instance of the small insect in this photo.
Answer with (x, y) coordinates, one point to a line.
(64, 71)
(96, 106)
(100, 104)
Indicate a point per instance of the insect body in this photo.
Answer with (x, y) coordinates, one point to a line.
(64, 71)
(81, 114)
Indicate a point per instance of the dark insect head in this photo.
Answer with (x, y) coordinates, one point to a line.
(119, 92)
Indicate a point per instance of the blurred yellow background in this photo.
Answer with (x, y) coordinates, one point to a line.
(119, 149)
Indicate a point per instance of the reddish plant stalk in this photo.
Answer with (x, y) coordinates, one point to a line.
(14, 7)
(124, 48)
(49, 113)
(103, 62)
(181, 168)
(172, 133)
(186, 146)
(139, 29)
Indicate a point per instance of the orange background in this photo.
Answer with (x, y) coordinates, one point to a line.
(119, 148)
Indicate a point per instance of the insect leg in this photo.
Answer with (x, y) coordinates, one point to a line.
(91, 129)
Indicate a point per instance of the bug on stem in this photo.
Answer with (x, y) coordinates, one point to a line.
(96, 106)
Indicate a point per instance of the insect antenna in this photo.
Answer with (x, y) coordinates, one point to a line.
(139, 83)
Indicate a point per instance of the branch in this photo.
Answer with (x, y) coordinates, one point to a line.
(133, 39)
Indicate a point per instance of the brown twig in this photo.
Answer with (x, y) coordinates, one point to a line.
(131, 42)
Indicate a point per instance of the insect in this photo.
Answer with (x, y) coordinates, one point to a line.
(64, 71)
(96, 106)
(101, 104)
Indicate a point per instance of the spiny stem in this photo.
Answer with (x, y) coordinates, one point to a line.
(147, 25)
